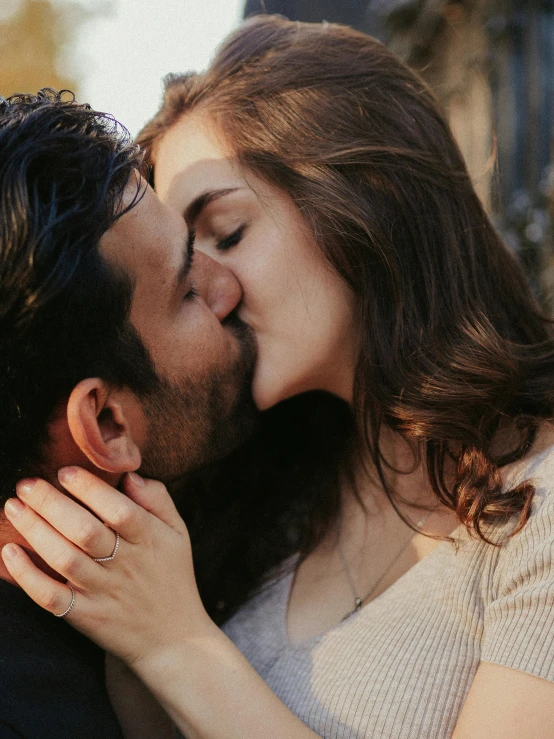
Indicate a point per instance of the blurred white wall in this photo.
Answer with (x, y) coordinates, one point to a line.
(121, 55)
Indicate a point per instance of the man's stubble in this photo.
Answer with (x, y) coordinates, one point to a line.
(202, 418)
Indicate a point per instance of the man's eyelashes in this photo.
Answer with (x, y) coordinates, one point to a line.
(191, 239)
(191, 293)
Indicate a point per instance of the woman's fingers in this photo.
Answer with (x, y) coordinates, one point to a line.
(120, 512)
(59, 553)
(70, 518)
(114, 508)
(153, 497)
(51, 595)
(133, 606)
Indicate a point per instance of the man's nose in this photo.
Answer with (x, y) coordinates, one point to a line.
(216, 284)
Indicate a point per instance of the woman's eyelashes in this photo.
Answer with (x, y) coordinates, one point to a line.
(232, 240)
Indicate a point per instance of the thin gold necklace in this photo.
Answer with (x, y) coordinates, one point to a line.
(358, 602)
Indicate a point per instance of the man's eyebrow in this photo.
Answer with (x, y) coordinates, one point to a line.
(187, 260)
(198, 204)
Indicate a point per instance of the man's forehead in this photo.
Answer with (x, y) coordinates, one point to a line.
(143, 237)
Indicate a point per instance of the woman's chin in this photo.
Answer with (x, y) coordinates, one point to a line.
(264, 400)
(268, 393)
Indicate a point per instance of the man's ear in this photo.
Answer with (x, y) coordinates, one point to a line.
(106, 424)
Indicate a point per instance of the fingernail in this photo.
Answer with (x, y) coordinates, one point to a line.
(14, 508)
(25, 487)
(66, 474)
(136, 479)
(9, 552)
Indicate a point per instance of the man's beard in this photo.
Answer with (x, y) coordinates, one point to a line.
(202, 418)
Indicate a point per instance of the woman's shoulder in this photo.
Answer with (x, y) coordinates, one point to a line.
(519, 615)
(537, 535)
(536, 467)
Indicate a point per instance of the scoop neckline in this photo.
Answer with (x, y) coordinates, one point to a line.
(286, 589)
(455, 538)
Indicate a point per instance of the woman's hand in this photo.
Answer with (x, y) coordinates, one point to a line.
(143, 604)
(143, 600)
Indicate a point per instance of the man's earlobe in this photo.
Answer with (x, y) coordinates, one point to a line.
(106, 424)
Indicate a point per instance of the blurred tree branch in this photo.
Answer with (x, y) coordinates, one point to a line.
(34, 39)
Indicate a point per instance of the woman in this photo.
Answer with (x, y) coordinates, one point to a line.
(405, 552)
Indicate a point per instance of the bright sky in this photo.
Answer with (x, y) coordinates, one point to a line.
(122, 56)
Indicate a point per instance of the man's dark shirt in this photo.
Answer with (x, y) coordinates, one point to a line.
(51, 677)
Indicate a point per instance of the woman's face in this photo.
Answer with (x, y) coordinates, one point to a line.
(299, 308)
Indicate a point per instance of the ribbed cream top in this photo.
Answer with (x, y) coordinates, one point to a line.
(402, 666)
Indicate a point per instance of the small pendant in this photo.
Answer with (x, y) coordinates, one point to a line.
(357, 606)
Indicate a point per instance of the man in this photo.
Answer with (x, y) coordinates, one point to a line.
(116, 352)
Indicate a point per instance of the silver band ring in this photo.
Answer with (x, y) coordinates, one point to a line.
(112, 555)
(70, 606)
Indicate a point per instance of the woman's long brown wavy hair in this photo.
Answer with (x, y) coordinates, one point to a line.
(454, 350)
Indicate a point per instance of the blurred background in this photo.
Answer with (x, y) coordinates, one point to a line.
(491, 63)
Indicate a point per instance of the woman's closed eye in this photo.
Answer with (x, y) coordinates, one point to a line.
(232, 240)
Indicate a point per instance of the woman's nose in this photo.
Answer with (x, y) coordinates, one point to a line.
(216, 284)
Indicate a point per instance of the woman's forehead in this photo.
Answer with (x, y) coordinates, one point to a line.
(191, 158)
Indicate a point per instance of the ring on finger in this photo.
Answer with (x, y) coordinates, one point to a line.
(114, 552)
(70, 606)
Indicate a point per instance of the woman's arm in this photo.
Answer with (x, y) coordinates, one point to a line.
(139, 714)
(143, 606)
(507, 704)
(219, 695)
(512, 695)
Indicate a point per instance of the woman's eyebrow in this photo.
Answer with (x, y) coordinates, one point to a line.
(193, 211)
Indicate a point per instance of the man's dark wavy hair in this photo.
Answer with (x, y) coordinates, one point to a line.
(63, 310)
